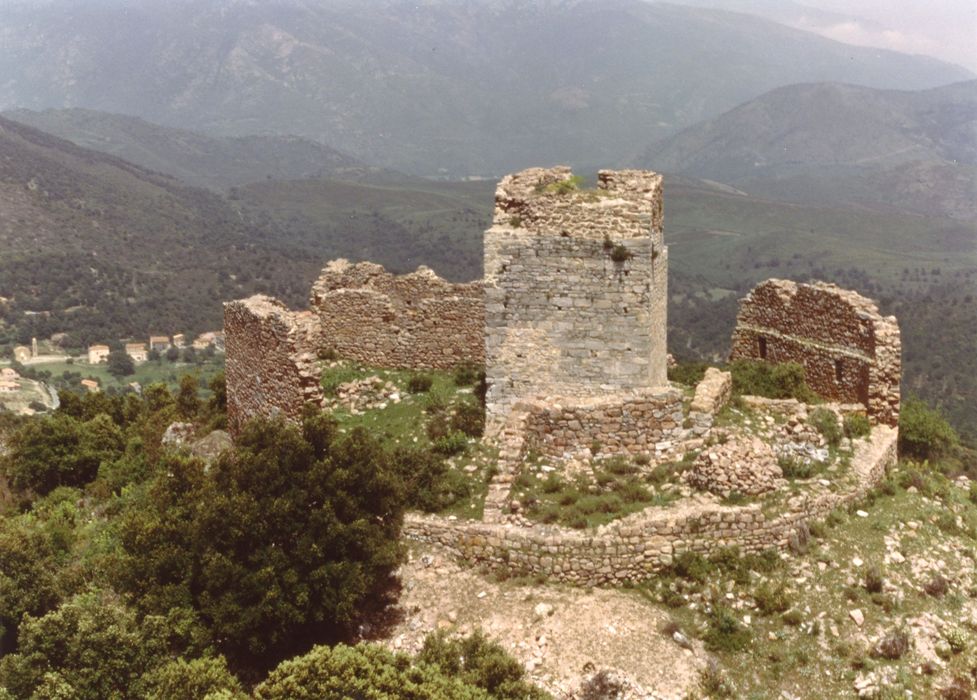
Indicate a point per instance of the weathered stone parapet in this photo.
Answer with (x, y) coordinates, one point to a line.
(270, 360)
(575, 288)
(413, 321)
(626, 204)
(635, 547)
(849, 351)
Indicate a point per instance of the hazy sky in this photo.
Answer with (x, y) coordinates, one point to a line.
(946, 29)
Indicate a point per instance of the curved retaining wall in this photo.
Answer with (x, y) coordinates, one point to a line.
(633, 548)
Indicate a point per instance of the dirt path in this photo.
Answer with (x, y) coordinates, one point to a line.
(562, 635)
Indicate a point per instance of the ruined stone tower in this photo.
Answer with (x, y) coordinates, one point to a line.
(575, 287)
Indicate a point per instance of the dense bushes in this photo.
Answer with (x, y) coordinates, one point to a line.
(774, 381)
(289, 540)
(923, 432)
(60, 450)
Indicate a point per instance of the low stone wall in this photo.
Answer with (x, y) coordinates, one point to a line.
(270, 363)
(619, 424)
(849, 351)
(413, 321)
(634, 548)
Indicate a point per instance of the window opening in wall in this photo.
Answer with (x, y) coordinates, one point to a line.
(762, 347)
(839, 370)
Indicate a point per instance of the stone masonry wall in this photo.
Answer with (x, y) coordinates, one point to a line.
(849, 351)
(562, 317)
(622, 425)
(413, 321)
(270, 360)
(635, 547)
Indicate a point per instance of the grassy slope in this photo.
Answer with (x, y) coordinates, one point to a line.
(912, 535)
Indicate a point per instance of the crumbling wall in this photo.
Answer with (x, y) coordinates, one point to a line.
(633, 548)
(849, 351)
(270, 361)
(415, 321)
(566, 315)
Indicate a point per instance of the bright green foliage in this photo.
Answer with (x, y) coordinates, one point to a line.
(429, 484)
(856, 425)
(91, 646)
(725, 632)
(774, 381)
(469, 418)
(287, 541)
(205, 678)
(688, 373)
(923, 432)
(59, 450)
(187, 403)
(826, 423)
(31, 549)
(480, 662)
(364, 672)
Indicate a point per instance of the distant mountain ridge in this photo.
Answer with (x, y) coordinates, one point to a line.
(834, 142)
(440, 87)
(101, 248)
(197, 159)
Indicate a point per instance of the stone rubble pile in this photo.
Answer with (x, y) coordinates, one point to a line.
(365, 394)
(742, 464)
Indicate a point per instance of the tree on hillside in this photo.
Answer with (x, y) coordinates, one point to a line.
(120, 364)
(289, 540)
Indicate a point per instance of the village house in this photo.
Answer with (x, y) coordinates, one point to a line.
(91, 385)
(137, 351)
(8, 387)
(98, 354)
(211, 338)
(160, 343)
(9, 374)
(180, 340)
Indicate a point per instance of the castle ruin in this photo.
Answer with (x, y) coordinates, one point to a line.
(570, 324)
(849, 351)
(575, 288)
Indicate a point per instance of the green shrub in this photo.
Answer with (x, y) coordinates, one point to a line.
(771, 598)
(725, 632)
(429, 484)
(477, 661)
(774, 381)
(419, 383)
(620, 466)
(856, 425)
(712, 680)
(793, 618)
(466, 374)
(632, 492)
(923, 432)
(795, 468)
(826, 422)
(453, 443)
(973, 492)
(367, 672)
(692, 566)
(438, 426)
(893, 645)
(688, 373)
(469, 418)
(874, 579)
